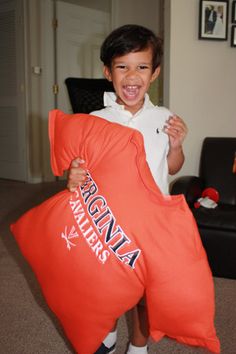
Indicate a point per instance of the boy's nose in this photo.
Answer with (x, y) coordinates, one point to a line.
(131, 74)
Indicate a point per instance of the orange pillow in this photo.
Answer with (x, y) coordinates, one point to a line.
(96, 251)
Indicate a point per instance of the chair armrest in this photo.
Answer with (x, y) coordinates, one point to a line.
(190, 186)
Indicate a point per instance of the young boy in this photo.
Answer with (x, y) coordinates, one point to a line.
(131, 55)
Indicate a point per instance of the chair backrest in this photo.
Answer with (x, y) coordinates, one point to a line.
(216, 167)
(86, 95)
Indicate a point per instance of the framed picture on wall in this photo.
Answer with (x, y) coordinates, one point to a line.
(233, 36)
(234, 11)
(213, 20)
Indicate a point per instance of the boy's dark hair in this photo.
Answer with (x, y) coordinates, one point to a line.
(131, 38)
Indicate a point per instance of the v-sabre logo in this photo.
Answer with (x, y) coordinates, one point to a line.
(98, 226)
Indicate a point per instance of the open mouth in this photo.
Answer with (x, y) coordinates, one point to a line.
(131, 91)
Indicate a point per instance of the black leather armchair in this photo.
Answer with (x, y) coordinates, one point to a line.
(217, 226)
(86, 95)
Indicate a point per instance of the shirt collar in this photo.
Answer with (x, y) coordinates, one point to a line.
(109, 100)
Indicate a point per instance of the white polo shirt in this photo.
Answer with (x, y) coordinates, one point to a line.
(149, 120)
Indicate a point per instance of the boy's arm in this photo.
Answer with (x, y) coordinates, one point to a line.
(176, 130)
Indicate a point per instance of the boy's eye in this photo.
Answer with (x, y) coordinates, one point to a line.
(143, 67)
(120, 66)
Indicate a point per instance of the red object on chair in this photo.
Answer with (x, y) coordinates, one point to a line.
(211, 193)
(95, 252)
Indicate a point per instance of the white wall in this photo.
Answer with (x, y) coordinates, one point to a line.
(33, 89)
(104, 5)
(142, 12)
(202, 80)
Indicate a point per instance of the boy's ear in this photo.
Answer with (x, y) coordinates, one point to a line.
(107, 73)
(156, 73)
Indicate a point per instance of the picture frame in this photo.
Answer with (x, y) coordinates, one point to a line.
(213, 20)
(233, 36)
(233, 20)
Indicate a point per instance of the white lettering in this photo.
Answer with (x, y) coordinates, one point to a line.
(102, 229)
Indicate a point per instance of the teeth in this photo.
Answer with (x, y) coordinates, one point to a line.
(131, 87)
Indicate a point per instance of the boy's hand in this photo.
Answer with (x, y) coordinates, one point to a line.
(76, 174)
(176, 130)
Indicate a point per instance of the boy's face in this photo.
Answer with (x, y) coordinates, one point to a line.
(131, 75)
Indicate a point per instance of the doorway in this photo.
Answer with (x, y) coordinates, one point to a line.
(13, 145)
(79, 35)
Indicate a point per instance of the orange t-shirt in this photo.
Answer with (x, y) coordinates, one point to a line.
(96, 252)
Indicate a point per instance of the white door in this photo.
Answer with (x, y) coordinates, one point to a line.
(80, 34)
(13, 162)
